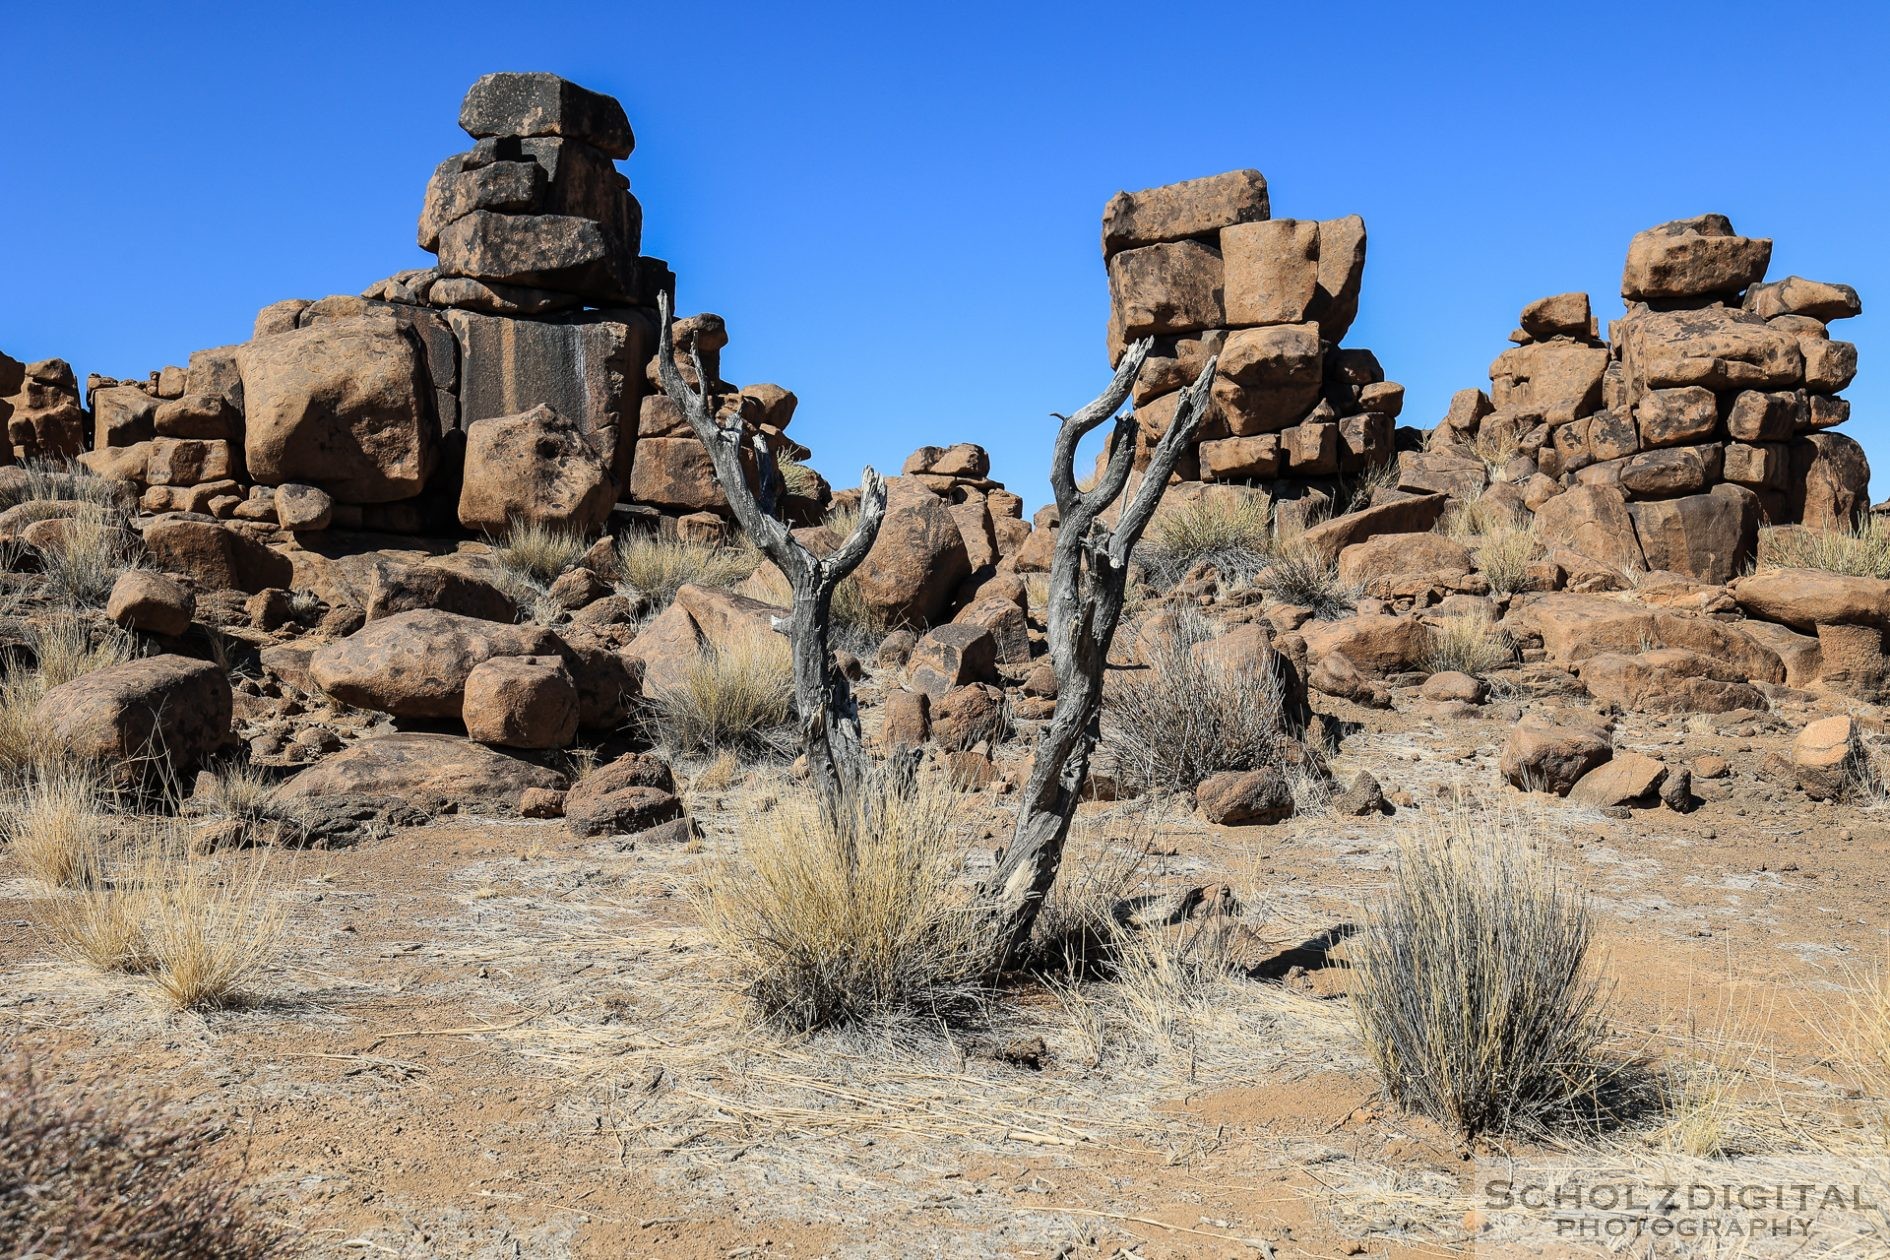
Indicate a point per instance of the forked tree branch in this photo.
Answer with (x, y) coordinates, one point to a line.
(823, 700)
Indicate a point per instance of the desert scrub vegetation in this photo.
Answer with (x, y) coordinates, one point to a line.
(238, 803)
(851, 915)
(96, 547)
(1467, 643)
(654, 567)
(1473, 988)
(1186, 716)
(1862, 550)
(1232, 533)
(1301, 576)
(118, 1178)
(202, 932)
(738, 695)
(537, 552)
(55, 821)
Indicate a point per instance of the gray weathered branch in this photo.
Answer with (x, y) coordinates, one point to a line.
(823, 700)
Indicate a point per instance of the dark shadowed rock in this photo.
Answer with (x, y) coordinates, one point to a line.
(167, 710)
(434, 773)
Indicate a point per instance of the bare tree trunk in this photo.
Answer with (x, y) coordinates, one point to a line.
(1089, 573)
(823, 701)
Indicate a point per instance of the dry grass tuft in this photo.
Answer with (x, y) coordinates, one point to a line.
(118, 1179)
(246, 795)
(55, 821)
(1860, 551)
(1183, 718)
(1468, 643)
(211, 938)
(95, 549)
(655, 566)
(1472, 983)
(862, 919)
(64, 648)
(1232, 533)
(1504, 554)
(539, 552)
(738, 696)
(1472, 522)
(1496, 446)
(1302, 577)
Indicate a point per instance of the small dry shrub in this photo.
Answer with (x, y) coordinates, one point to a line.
(539, 552)
(1471, 522)
(656, 566)
(737, 696)
(1503, 556)
(1167, 727)
(859, 918)
(798, 479)
(95, 549)
(1862, 550)
(1468, 643)
(1232, 533)
(1301, 576)
(1496, 446)
(211, 936)
(246, 796)
(118, 1178)
(1472, 983)
(55, 821)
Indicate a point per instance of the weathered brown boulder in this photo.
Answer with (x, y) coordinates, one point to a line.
(1825, 758)
(1719, 348)
(303, 509)
(1540, 756)
(1830, 481)
(430, 772)
(1808, 598)
(521, 702)
(631, 794)
(700, 617)
(918, 560)
(1628, 778)
(343, 405)
(215, 556)
(1593, 521)
(1671, 471)
(969, 715)
(1006, 622)
(1412, 515)
(950, 656)
(1235, 797)
(1266, 379)
(1175, 212)
(537, 468)
(415, 664)
(152, 603)
(1373, 565)
(1669, 680)
(1341, 276)
(537, 104)
(1795, 295)
(1692, 258)
(399, 588)
(1164, 289)
(1706, 536)
(1458, 475)
(1551, 380)
(167, 711)
(1376, 643)
(1271, 269)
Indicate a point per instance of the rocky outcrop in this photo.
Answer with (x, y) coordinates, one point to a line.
(159, 711)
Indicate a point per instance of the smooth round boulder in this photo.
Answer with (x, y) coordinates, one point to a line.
(1237, 797)
(633, 793)
(151, 603)
(304, 509)
(521, 702)
(415, 664)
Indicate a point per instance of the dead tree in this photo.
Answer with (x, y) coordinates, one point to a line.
(1089, 573)
(823, 702)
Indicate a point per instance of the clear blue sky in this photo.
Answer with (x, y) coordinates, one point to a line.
(897, 207)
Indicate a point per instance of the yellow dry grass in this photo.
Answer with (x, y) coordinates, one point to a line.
(655, 566)
(737, 695)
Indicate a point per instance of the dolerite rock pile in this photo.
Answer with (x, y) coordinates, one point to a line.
(512, 382)
(1708, 415)
(40, 412)
(1203, 268)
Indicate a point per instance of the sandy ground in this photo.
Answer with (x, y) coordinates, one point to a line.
(490, 1039)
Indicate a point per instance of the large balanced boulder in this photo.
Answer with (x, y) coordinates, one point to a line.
(537, 467)
(1808, 598)
(1693, 258)
(344, 405)
(513, 103)
(1413, 515)
(415, 664)
(158, 710)
(431, 772)
(918, 560)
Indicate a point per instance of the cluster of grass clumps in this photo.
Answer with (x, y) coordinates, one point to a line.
(1501, 539)
(1188, 715)
(1474, 988)
(120, 1179)
(653, 567)
(736, 696)
(530, 557)
(95, 543)
(1468, 643)
(125, 892)
(1862, 550)
(1231, 533)
(832, 918)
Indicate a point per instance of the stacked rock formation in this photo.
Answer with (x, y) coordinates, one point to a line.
(1709, 414)
(509, 383)
(1205, 269)
(40, 412)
